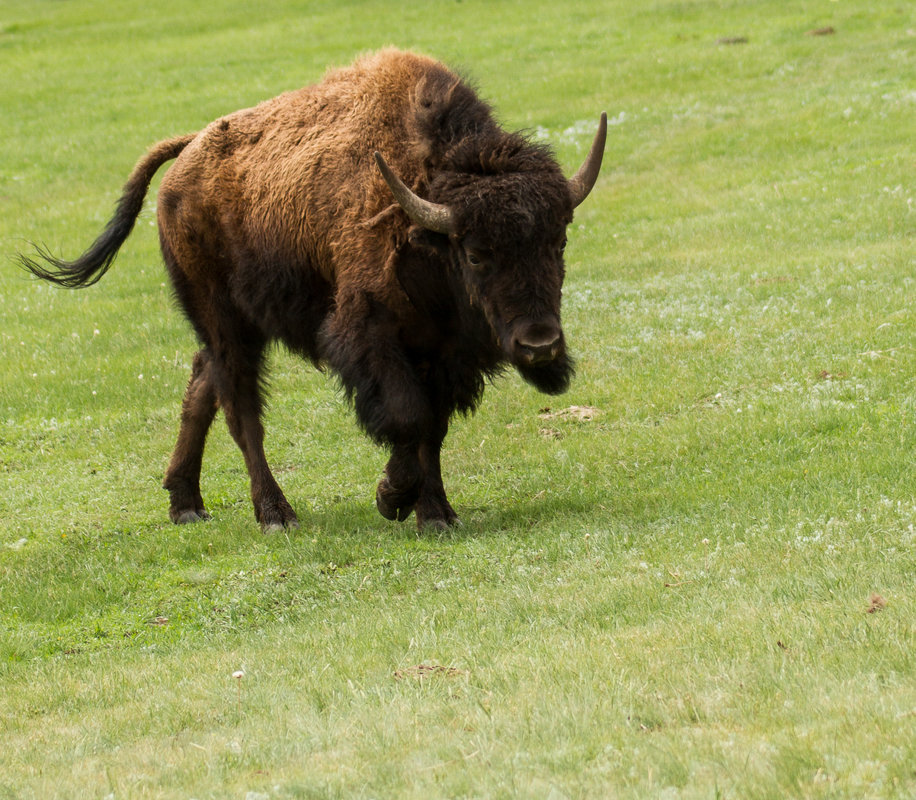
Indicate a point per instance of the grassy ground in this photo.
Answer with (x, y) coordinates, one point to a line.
(702, 589)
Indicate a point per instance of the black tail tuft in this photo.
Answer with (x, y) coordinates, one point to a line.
(95, 262)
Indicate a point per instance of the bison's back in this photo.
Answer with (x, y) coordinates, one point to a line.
(292, 180)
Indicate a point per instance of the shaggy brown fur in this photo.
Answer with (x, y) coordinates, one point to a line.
(275, 224)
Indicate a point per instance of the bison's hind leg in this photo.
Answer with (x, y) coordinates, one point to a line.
(238, 354)
(182, 479)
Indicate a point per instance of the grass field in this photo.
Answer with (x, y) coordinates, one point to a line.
(703, 588)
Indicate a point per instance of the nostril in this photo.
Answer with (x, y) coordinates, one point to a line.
(537, 350)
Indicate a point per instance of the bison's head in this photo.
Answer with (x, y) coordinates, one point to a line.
(506, 230)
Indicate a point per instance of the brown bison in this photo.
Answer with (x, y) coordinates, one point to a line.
(278, 222)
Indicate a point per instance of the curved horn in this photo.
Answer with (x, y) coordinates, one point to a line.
(432, 216)
(582, 182)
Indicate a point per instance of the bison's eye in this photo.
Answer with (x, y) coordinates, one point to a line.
(475, 258)
(563, 245)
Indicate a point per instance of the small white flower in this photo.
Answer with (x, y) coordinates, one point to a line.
(238, 674)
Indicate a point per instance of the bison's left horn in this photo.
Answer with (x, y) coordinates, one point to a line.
(582, 182)
(432, 216)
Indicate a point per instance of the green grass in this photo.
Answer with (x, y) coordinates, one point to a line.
(668, 600)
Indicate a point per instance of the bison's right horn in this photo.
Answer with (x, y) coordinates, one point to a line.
(432, 216)
(582, 182)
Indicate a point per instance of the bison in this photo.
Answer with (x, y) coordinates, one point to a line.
(379, 223)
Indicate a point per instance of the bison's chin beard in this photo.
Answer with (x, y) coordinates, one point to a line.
(552, 377)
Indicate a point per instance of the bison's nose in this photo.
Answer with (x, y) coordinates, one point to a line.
(538, 345)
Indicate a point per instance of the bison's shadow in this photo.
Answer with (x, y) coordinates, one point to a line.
(354, 517)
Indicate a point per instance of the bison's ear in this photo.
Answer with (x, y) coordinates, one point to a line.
(425, 239)
(582, 182)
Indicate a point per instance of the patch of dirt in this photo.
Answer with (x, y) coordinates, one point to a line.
(773, 279)
(575, 413)
(876, 603)
(421, 671)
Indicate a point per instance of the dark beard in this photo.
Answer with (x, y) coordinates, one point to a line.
(552, 378)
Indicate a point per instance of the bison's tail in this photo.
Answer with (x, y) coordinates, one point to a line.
(94, 263)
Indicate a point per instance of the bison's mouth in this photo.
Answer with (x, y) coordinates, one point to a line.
(552, 377)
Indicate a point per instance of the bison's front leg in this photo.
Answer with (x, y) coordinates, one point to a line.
(395, 405)
(413, 482)
(433, 508)
(397, 493)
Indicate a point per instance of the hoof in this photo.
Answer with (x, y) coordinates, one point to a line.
(277, 517)
(438, 524)
(393, 505)
(276, 527)
(436, 514)
(188, 516)
(433, 525)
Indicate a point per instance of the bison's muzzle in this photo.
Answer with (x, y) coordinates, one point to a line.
(536, 343)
